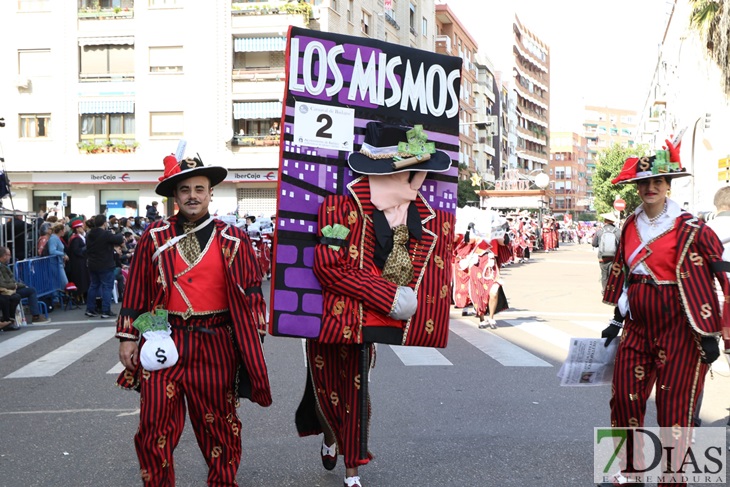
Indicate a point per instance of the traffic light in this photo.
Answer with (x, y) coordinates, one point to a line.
(708, 119)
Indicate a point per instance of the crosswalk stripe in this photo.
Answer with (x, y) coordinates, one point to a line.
(117, 369)
(57, 360)
(420, 355)
(543, 331)
(592, 325)
(501, 350)
(22, 340)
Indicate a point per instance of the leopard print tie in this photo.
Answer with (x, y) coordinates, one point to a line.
(398, 267)
(189, 245)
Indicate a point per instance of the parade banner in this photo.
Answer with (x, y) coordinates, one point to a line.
(335, 85)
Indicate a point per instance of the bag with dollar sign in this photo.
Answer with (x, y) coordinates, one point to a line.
(158, 351)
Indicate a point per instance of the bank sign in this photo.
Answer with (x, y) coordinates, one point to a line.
(131, 177)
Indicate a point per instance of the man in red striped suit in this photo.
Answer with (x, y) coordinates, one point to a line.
(204, 273)
(384, 264)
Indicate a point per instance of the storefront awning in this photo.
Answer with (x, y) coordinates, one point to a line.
(523, 202)
(259, 44)
(106, 106)
(257, 110)
(106, 41)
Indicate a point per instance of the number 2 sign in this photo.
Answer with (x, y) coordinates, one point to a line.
(324, 126)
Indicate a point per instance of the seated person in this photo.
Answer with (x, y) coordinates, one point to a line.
(8, 283)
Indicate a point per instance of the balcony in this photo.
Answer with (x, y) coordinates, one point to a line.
(125, 10)
(255, 140)
(272, 8)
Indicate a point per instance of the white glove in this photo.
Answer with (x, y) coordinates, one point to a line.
(405, 305)
(158, 351)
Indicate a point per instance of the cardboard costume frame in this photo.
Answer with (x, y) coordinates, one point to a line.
(335, 85)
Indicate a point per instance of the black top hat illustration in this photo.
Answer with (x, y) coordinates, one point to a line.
(389, 149)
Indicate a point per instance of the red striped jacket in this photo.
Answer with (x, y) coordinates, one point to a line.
(699, 250)
(150, 281)
(350, 288)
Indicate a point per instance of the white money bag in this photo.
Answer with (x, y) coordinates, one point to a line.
(158, 351)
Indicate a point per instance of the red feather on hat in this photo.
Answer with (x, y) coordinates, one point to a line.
(171, 167)
(628, 171)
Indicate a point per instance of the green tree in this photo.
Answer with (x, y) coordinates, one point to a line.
(608, 165)
(465, 194)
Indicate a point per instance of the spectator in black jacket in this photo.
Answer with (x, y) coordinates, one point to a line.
(152, 213)
(100, 258)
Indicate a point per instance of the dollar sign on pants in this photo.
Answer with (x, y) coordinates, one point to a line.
(160, 354)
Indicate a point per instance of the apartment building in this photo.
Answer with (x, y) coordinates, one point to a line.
(567, 173)
(101, 91)
(531, 71)
(603, 127)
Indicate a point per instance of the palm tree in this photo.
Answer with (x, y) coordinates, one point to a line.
(712, 19)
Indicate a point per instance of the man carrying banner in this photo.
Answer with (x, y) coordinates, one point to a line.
(215, 326)
(384, 264)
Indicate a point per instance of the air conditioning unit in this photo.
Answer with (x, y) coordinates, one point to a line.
(23, 83)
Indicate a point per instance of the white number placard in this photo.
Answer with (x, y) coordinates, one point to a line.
(324, 126)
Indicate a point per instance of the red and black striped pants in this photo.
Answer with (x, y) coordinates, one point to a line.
(204, 379)
(336, 380)
(658, 347)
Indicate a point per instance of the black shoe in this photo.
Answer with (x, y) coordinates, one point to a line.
(107, 314)
(11, 327)
(329, 456)
(92, 314)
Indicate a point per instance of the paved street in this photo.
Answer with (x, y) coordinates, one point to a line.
(485, 411)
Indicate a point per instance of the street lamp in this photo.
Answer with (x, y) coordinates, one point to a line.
(542, 181)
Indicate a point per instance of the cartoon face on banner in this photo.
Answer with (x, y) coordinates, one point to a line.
(336, 84)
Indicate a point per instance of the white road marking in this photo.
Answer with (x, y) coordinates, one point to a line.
(501, 350)
(22, 340)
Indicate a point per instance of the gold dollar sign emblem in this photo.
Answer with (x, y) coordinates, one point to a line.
(446, 228)
(662, 356)
(334, 399)
(429, 326)
(216, 452)
(676, 431)
(444, 292)
(146, 374)
(439, 262)
(319, 362)
(644, 164)
(347, 332)
(162, 441)
(145, 475)
(639, 372)
(190, 163)
(338, 308)
(129, 377)
(352, 217)
(170, 390)
(357, 382)
(695, 258)
(633, 422)
(209, 417)
(706, 311)
(235, 430)
(353, 252)
(616, 269)
(343, 353)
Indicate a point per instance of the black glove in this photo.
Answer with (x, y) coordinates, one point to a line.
(614, 327)
(710, 349)
(610, 332)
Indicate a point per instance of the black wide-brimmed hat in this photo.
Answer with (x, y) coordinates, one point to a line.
(192, 166)
(386, 145)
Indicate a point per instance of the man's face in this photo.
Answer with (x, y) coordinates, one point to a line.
(5, 258)
(192, 196)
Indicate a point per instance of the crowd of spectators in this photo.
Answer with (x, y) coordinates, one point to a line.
(88, 256)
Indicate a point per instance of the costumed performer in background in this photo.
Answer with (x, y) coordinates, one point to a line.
(384, 264)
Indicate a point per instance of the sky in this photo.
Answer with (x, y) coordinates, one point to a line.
(602, 53)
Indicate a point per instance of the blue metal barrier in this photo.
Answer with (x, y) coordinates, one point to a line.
(40, 273)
